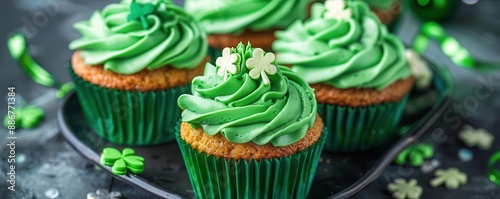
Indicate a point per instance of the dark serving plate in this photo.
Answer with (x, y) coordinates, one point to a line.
(339, 175)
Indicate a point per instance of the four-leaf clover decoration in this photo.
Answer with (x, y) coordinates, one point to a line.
(25, 117)
(261, 64)
(138, 12)
(401, 189)
(336, 9)
(228, 63)
(415, 154)
(476, 137)
(451, 177)
(121, 162)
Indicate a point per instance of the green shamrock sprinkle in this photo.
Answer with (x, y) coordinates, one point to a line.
(415, 154)
(476, 137)
(262, 64)
(401, 189)
(228, 63)
(452, 178)
(26, 117)
(139, 12)
(121, 162)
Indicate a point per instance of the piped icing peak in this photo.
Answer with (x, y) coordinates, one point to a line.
(344, 45)
(246, 97)
(143, 34)
(236, 16)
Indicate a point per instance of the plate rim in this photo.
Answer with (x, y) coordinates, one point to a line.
(373, 173)
(94, 157)
(438, 109)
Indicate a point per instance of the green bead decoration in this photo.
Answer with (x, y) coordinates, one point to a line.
(433, 10)
(494, 173)
(450, 47)
(420, 43)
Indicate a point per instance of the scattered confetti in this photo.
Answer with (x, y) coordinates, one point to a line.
(465, 155)
(415, 154)
(429, 166)
(400, 189)
(452, 178)
(121, 162)
(52, 193)
(20, 158)
(476, 137)
(104, 194)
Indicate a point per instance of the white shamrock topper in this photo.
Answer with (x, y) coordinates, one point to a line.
(419, 69)
(228, 63)
(336, 9)
(261, 65)
(476, 137)
(452, 178)
(401, 189)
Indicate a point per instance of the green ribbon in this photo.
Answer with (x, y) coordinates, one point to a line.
(494, 173)
(64, 90)
(19, 51)
(450, 47)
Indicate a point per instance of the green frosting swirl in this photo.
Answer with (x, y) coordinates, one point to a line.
(235, 16)
(124, 46)
(356, 52)
(245, 109)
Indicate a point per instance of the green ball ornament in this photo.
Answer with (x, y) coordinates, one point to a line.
(433, 10)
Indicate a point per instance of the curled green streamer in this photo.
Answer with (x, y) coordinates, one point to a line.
(450, 47)
(19, 51)
(494, 173)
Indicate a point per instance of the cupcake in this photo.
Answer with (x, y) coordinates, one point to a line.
(250, 129)
(358, 70)
(386, 10)
(229, 22)
(133, 61)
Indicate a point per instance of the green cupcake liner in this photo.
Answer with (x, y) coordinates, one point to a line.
(129, 117)
(360, 128)
(284, 177)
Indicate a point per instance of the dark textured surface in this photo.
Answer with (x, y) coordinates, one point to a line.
(51, 163)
